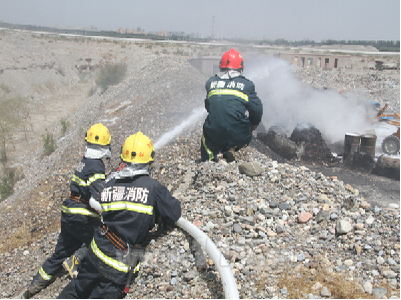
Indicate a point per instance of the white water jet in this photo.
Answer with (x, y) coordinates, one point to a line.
(196, 114)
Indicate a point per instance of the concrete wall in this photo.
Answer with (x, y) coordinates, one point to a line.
(210, 65)
(316, 60)
(206, 65)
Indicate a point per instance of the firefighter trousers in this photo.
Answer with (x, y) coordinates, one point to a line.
(71, 238)
(209, 151)
(90, 284)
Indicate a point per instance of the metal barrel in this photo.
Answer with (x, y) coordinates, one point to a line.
(368, 144)
(351, 146)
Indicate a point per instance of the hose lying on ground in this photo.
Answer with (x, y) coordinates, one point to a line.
(227, 278)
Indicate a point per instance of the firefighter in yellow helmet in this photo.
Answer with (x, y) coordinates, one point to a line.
(78, 218)
(130, 202)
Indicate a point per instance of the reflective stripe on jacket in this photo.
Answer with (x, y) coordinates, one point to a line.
(44, 275)
(233, 107)
(88, 180)
(79, 211)
(129, 209)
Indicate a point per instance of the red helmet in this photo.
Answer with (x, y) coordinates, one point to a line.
(232, 59)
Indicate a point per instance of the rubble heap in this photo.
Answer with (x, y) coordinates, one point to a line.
(314, 146)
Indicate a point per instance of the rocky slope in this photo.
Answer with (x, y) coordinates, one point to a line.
(287, 233)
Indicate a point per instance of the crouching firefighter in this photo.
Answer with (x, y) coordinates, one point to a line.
(130, 202)
(78, 218)
(234, 110)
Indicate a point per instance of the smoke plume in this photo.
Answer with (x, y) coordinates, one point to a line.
(287, 102)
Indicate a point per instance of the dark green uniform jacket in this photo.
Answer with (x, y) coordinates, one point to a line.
(88, 180)
(130, 207)
(227, 125)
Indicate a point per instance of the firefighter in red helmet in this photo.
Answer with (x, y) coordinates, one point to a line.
(229, 96)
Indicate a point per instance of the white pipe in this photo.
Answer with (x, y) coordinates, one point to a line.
(227, 278)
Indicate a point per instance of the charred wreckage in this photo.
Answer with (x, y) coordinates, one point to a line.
(356, 153)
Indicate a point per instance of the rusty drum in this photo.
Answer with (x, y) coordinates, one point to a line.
(368, 144)
(351, 146)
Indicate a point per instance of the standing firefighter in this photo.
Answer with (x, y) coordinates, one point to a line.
(130, 202)
(227, 128)
(78, 218)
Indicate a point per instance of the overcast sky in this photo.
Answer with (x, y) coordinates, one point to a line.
(270, 19)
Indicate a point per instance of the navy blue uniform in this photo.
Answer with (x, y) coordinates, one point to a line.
(130, 207)
(227, 125)
(78, 219)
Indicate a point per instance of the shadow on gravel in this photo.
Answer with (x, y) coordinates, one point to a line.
(208, 274)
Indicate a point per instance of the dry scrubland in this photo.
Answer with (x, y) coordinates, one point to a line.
(271, 254)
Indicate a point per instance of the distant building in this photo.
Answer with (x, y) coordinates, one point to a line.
(194, 35)
(159, 33)
(210, 65)
(328, 61)
(163, 33)
(175, 33)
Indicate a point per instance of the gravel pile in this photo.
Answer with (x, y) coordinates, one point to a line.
(287, 221)
(287, 233)
(383, 86)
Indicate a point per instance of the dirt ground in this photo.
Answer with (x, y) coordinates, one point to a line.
(377, 190)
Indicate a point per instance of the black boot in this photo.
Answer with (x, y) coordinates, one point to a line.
(37, 284)
(230, 155)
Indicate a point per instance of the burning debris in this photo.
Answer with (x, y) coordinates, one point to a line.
(277, 140)
(363, 158)
(315, 148)
(305, 143)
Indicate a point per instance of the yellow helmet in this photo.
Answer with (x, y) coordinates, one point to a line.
(138, 148)
(98, 134)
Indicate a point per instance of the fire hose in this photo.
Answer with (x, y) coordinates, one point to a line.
(227, 278)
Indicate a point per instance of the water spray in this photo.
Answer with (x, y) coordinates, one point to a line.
(227, 278)
(196, 114)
